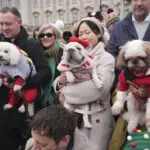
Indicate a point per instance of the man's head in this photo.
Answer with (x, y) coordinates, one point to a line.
(52, 128)
(140, 8)
(10, 22)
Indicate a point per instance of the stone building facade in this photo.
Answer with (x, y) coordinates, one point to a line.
(36, 12)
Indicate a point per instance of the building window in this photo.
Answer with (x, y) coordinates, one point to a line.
(3, 3)
(60, 2)
(35, 3)
(18, 3)
(9, 3)
(74, 14)
(48, 16)
(61, 14)
(89, 9)
(48, 3)
(36, 17)
(74, 2)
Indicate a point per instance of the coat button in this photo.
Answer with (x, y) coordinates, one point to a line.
(97, 121)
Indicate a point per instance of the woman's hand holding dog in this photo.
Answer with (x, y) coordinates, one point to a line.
(61, 84)
(141, 91)
(62, 79)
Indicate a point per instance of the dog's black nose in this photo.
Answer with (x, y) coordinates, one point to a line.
(1, 57)
(135, 61)
(71, 50)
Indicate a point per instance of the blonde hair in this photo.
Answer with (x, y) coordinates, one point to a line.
(58, 36)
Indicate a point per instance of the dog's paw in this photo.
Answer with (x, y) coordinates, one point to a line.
(31, 109)
(7, 106)
(21, 109)
(99, 84)
(117, 108)
(17, 88)
(70, 77)
(130, 127)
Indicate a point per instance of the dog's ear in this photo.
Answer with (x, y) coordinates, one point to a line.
(120, 60)
(147, 49)
(14, 54)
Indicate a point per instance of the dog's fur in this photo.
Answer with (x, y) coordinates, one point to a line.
(79, 67)
(10, 59)
(135, 57)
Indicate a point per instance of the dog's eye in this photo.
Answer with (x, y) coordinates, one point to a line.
(5, 51)
(79, 48)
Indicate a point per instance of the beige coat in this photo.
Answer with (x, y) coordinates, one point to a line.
(98, 100)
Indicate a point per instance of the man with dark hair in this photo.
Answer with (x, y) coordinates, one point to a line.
(13, 125)
(53, 128)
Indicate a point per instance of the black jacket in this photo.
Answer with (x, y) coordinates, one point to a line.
(11, 118)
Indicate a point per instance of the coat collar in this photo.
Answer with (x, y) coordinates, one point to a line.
(131, 29)
(130, 26)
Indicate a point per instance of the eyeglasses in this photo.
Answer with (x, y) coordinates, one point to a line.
(48, 35)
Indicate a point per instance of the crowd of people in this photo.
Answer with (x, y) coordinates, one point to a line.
(54, 127)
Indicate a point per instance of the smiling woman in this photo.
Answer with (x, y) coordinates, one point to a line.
(49, 37)
(87, 93)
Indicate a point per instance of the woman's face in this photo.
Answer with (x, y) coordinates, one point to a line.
(85, 33)
(47, 38)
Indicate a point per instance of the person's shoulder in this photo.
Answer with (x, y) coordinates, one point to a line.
(32, 40)
(107, 57)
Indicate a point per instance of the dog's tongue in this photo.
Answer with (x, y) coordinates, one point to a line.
(82, 42)
(139, 73)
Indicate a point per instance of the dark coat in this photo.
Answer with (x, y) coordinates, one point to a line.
(124, 31)
(12, 122)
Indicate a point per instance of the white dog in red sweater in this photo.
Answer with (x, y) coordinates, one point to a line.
(135, 55)
(18, 67)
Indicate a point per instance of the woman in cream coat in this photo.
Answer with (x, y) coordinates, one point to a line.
(98, 137)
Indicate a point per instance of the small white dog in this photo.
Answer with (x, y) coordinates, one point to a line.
(135, 56)
(78, 67)
(16, 66)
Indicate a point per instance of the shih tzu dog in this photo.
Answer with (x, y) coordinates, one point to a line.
(78, 67)
(134, 84)
(17, 68)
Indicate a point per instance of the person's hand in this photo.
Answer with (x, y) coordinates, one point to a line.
(62, 79)
(61, 96)
(141, 91)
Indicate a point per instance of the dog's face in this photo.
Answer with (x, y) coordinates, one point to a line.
(9, 54)
(74, 54)
(134, 55)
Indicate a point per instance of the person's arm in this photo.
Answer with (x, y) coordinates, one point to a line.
(43, 71)
(113, 47)
(86, 92)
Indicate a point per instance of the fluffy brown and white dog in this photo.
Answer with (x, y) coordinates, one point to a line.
(135, 56)
(16, 66)
(78, 67)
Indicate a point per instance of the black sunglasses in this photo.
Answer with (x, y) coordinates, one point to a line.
(48, 35)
